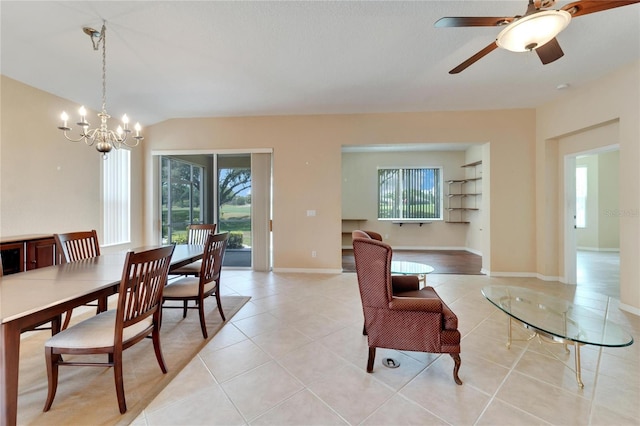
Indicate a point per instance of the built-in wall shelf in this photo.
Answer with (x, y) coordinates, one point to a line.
(409, 222)
(349, 225)
(463, 194)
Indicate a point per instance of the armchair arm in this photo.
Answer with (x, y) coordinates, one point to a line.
(401, 283)
(415, 304)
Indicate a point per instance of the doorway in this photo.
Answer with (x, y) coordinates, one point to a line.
(593, 237)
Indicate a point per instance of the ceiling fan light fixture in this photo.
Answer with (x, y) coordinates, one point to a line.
(533, 31)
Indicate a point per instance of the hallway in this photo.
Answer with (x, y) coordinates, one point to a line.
(599, 271)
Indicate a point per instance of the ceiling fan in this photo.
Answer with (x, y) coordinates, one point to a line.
(535, 30)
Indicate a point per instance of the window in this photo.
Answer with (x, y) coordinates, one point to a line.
(116, 193)
(410, 194)
(182, 198)
(581, 197)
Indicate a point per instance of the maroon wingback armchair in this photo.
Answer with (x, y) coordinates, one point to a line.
(397, 313)
(366, 234)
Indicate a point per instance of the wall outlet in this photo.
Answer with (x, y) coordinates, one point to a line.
(314, 254)
(311, 212)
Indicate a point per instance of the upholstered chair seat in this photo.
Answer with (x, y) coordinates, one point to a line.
(96, 332)
(192, 268)
(187, 287)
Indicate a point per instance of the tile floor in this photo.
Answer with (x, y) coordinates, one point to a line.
(295, 355)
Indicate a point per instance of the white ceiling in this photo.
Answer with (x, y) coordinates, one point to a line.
(169, 59)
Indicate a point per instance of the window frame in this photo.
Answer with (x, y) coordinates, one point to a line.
(173, 161)
(582, 200)
(438, 182)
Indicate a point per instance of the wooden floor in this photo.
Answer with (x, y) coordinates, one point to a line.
(443, 261)
(598, 271)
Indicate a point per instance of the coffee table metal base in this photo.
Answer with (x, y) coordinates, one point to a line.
(548, 338)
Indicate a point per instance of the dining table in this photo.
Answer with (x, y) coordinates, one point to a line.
(32, 298)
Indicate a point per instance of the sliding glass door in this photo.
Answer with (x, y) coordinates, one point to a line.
(234, 206)
(232, 190)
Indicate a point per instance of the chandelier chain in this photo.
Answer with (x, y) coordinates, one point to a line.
(104, 67)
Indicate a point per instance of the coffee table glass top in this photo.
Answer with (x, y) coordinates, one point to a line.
(410, 268)
(557, 317)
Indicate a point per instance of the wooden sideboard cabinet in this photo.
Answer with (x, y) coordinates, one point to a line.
(25, 252)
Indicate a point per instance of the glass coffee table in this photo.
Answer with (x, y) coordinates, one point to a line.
(556, 320)
(401, 267)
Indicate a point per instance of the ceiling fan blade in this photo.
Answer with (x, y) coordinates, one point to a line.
(474, 58)
(584, 7)
(471, 21)
(550, 51)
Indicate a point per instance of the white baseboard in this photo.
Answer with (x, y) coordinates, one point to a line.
(401, 248)
(631, 309)
(307, 271)
(511, 274)
(520, 275)
(597, 249)
(410, 248)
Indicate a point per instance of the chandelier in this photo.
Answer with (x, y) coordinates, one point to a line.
(102, 137)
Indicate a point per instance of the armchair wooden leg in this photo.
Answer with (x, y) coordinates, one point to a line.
(372, 358)
(456, 367)
(184, 309)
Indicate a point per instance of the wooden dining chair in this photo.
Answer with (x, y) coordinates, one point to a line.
(205, 285)
(197, 235)
(137, 316)
(74, 246)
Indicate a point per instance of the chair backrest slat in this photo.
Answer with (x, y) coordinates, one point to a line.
(212, 258)
(143, 280)
(74, 246)
(198, 233)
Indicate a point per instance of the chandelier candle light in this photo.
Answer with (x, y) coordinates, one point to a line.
(102, 137)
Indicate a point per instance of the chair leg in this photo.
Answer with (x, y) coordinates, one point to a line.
(67, 318)
(155, 336)
(456, 367)
(55, 324)
(103, 305)
(203, 325)
(184, 308)
(220, 306)
(372, 358)
(117, 375)
(52, 376)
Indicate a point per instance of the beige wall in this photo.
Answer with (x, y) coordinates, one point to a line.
(307, 173)
(613, 101)
(48, 184)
